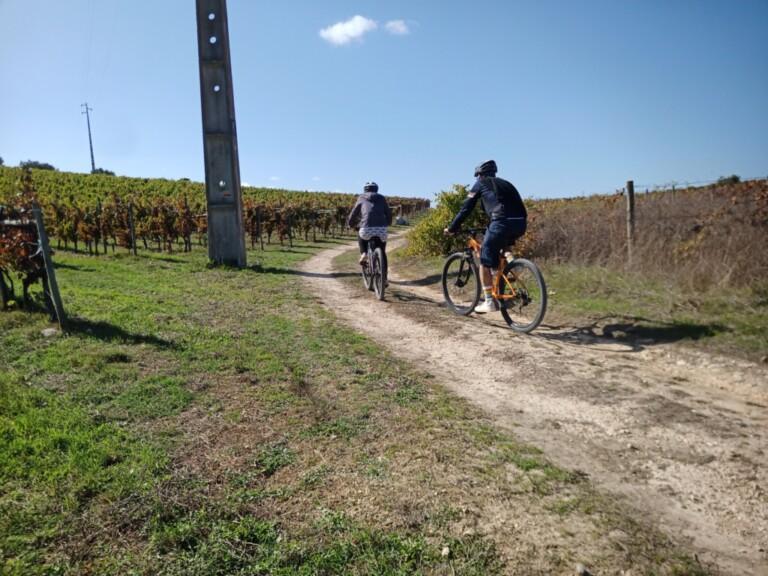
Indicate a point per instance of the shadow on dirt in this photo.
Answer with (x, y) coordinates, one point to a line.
(321, 241)
(294, 251)
(292, 272)
(634, 332)
(109, 332)
(410, 297)
(432, 280)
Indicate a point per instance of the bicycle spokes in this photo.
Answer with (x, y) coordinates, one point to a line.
(461, 285)
(463, 275)
(523, 295)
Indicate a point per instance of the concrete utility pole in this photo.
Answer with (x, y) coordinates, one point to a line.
(90, 140)
(226, 239)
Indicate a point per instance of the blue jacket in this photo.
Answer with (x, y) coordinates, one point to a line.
(500, 200)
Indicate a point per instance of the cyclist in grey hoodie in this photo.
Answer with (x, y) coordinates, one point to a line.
(371, 214)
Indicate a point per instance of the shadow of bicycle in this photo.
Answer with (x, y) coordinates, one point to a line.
(633, 332)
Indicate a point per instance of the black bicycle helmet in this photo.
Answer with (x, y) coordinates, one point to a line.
(487, 168)
(371, 187)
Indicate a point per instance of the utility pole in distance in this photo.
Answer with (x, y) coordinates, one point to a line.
(226, 239)
(90, 140)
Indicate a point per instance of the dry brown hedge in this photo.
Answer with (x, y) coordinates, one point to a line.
(700, 237)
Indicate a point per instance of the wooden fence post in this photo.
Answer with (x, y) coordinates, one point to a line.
(630, 219)
(290, 229)
(131, 228)
(261, 232)
(100, 239)
(53, 286)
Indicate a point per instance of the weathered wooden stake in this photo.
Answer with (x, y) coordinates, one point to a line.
(290, 230)
(131, 228)
(261, 232)
(630, 219)
(53, 286)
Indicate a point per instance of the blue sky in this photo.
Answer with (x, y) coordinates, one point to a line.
(569, 97)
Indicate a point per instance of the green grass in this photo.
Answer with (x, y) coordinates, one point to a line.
(250, 546)
(89, 426)
(202, 420)
(631, 307)
(57, 460)
(273, 457)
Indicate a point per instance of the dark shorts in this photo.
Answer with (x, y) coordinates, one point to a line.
(500, 233)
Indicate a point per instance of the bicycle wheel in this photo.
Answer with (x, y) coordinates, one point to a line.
(522, 295)
(378, 273)
(461, 283)
(365, 269)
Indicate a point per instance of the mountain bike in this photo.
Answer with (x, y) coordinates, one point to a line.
(518, 285)
(374, 268)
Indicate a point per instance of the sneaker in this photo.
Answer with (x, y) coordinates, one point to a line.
(363, 258)
(487, 306)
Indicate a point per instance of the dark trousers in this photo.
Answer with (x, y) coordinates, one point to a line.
(364, 247)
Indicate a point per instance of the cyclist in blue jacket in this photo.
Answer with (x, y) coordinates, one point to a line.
(504, 206)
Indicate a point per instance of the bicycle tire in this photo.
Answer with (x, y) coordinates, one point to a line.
(461, 283)
(525, 311)
(378, 273)
(365, 270)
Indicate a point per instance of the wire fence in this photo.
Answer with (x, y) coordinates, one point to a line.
(699, 235)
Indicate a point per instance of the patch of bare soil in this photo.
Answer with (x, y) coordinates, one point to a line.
(680, 434)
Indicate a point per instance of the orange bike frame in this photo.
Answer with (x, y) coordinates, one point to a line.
(475, 246)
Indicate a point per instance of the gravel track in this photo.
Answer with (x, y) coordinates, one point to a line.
(680, 434)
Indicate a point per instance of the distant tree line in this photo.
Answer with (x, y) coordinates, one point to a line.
(37, 165)
(46, 166)
(732, 179)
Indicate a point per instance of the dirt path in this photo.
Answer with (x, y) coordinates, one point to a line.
(682, 435)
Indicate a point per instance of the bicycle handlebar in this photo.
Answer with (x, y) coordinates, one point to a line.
(467, 231)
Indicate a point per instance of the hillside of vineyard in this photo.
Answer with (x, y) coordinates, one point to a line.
(88, 189)
(98, 212)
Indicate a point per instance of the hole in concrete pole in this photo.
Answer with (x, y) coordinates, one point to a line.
(222, 184)
(212, 39)
(216, 88)
(211, 16)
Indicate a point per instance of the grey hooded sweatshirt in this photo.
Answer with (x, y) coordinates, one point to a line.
(370, 211)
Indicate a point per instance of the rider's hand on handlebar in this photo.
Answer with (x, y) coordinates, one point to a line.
(447, 232)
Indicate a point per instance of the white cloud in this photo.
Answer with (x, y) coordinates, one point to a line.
(244, 184)
(274, 178)
(397, 27)
(315, 178)
(345, 32)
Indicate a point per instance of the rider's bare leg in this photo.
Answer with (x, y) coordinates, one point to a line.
(486, 277)
(489, 304)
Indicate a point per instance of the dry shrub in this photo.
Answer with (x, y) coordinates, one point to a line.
(698, 237)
